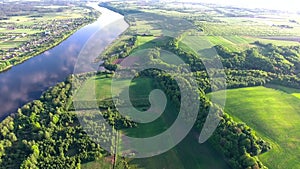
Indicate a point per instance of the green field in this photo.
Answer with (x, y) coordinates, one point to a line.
(294, 92)
(103, 164)
(141, 40)
(188, 154)
(233, 43)
(101, 86)
(254, 29)
(274, 113)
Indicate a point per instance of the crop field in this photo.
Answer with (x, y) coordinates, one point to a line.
(233, 43)
(141, 26)
(248, 27)
(274, 114)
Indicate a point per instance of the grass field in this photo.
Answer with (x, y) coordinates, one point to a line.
(274, 113)
(102, 163)
(294, 92)
(188, 154)
(233, 43)
(255, 29)
(101, 86)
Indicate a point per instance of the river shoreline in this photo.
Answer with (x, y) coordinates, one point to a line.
(52, 45)
(26, 82)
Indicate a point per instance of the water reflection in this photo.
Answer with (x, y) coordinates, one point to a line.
(26, 82)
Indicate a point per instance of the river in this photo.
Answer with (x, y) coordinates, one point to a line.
(26, 82)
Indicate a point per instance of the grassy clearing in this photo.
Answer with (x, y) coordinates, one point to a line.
(100, 87)
(189, 154)
(102, 163)
(145, 42)
(148, 42)
(141, 40)
(274, 115)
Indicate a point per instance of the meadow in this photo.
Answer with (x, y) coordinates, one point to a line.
(102, 163)
(233, 43)
(274, 113)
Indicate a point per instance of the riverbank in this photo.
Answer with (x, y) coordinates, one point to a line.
(27, 81)
(49, 46)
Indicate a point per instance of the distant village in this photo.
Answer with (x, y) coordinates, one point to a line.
(47, 33)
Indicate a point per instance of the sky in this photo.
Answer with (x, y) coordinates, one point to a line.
(290, 5)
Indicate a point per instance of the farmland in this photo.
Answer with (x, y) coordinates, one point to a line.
(232, 28)
(274, 114)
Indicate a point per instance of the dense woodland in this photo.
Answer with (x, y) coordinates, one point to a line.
(45, 134)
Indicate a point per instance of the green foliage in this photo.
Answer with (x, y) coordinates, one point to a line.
(46, 135)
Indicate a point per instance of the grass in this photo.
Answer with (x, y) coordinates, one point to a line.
(141, 40)
(197, 42)
(255, 29)
(188, 154)
(233, 43)
(98, 87)
(292, 91)
(149, 42)
(274, 114)
(102, 163)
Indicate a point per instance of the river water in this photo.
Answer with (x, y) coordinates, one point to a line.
(26, 82)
